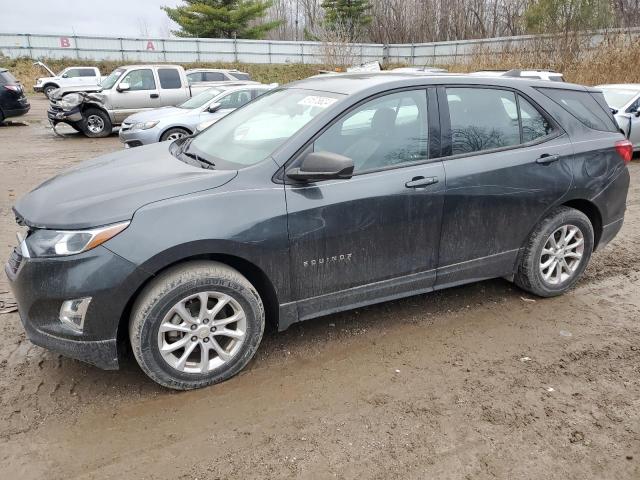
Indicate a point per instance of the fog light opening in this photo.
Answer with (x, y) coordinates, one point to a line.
(73, 311)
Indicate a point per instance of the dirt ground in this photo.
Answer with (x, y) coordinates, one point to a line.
(476, 382)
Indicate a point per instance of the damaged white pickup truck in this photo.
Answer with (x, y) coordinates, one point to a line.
(94, 111)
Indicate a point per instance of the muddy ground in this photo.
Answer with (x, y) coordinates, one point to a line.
(477, 382)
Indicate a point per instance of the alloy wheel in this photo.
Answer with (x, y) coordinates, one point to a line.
(202, 332)
(561, 255)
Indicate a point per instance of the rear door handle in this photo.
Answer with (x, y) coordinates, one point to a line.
(154, 95)
(418, 182)
(546, 159)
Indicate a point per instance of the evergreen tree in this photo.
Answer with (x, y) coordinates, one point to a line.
(221, 18)
(348, 15)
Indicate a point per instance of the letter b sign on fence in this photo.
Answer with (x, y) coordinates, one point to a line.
(65, 42)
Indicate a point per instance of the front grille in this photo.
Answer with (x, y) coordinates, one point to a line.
(15, 259)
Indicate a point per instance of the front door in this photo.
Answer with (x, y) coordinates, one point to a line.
(142, 94)
(506, 164)
(375, 236)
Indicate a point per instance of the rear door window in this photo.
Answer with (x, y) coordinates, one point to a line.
(214, 77)
(194, 77)
(241, 76)
(534, 124)
(169, 78)
(87, 72)
(482, 119)
(583, 106)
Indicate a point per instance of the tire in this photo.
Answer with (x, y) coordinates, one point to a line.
(96, 123)
(1, 116)
(174, 134)
(47, 89)
(539, 252)
(183, 286)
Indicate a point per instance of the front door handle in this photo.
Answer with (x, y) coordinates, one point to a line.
(154, 95)
(419, 182)
(546, 159)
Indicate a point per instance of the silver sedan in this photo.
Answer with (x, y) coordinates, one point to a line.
(624, 100)
(171, 123)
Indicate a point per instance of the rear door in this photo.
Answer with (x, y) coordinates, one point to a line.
(142, 94)
(374, 236)
(172, 91)
(506, 162)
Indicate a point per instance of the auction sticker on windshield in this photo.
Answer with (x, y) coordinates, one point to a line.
(316, 101)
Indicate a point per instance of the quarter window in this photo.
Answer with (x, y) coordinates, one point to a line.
(140, 80)
(482, 119)
(387, 131)
(169, 78)
(583, 106)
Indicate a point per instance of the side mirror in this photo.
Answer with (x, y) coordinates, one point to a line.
(123, 87)
(214, 107)
(637, 113)
(322, 166)
(65, 75)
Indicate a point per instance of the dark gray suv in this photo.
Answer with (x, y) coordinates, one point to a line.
(328, 194)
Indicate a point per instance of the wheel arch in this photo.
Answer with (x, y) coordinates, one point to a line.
(592, 212)
(50, 84)
(251, 272)
(181, 127)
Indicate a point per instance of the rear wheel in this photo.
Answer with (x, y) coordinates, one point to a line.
(96, 123)
(197, 324)
(174, 134)
(557, 253)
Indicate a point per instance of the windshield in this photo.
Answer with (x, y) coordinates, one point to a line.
(111, 80)
(618, 97)
(200, 99)
(252, 133)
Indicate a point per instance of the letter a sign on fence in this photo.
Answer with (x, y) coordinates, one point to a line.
(150, 45)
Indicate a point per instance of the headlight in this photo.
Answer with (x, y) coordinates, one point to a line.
(71, 100)
(38, 81)
(54, 243)
(145, 125)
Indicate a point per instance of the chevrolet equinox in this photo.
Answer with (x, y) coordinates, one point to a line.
(328, 194)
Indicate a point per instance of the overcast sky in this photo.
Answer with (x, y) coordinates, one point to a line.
(87, 17)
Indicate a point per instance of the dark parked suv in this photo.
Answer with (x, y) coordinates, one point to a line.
(13, 103)
(328, 194)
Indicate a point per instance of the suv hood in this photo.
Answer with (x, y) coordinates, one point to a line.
(110, 188)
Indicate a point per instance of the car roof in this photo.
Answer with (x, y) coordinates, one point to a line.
(350, 83)
(626, 86)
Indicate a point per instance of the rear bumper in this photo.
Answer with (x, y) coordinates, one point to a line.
(16, 112)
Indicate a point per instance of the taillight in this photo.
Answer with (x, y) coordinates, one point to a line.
(625, 150)
(14, 88)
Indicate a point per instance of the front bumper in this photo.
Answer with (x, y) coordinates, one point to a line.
(58, 115)
(41, 285)
(37, 88)
(137, 138)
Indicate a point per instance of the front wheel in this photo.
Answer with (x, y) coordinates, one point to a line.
(48, 90)
(174, 134)
(96, 123)
(556, 254)
(197, 324)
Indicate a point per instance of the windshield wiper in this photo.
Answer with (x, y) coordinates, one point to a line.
(197, 157)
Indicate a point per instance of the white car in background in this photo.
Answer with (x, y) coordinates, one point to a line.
(69, 77)
(624, 101)
(215, 75)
